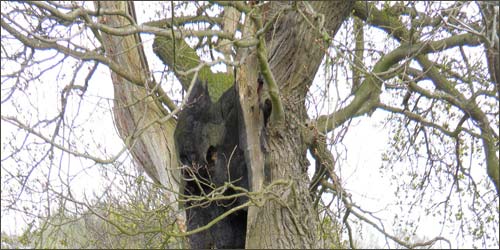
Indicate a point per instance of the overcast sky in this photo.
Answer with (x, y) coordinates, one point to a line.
(361, 175)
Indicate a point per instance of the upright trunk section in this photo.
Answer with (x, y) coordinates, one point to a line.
(282, 215)
(135, 107)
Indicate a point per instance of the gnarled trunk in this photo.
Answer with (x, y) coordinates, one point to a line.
(286, 217)
(282, 215)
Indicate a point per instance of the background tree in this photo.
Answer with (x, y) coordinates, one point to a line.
(434, 73)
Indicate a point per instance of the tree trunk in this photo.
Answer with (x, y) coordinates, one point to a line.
(282, 215)
(287, 219)
(136, 110)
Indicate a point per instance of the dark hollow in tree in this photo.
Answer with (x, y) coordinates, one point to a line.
(207, 141)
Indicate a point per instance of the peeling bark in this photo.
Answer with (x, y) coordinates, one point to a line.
(136, 108)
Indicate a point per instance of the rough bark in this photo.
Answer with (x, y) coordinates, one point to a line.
(286, 218)
(283, 215)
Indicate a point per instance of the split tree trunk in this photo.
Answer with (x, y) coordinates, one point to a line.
(286, 217)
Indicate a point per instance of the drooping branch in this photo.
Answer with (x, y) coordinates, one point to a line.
(367, 96)
(396, 29)
(88, 55)
(489, 135)
(50, 140)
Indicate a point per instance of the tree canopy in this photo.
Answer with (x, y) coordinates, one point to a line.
(91, 92)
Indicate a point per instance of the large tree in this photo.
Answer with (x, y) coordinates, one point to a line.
(442, 108)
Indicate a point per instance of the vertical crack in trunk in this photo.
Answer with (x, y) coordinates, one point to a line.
(287, 218)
